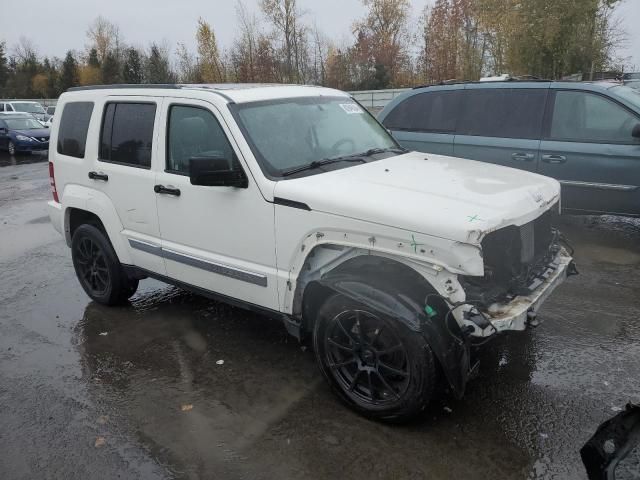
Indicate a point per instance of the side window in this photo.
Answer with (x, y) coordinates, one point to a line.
(127, 133)
(426, 112)
(587, 117)
(9, 107)
(1, 107)
(503, 112)
(194, 132)
(74, 124)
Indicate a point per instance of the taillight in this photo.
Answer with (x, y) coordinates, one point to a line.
(52, 182)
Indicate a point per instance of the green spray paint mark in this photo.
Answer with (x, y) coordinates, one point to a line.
(414, 244)
(474, 217)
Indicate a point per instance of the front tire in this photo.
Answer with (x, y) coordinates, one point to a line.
(376, 364)
(97, 267)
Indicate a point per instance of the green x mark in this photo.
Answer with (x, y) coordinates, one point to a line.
(414, 244)
(473, 218)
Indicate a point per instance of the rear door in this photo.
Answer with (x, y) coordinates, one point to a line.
(122, 170)
(426, 122)
(588, 146)
(501, 125)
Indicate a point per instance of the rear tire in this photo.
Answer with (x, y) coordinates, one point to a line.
(377, 365)
(97, 267)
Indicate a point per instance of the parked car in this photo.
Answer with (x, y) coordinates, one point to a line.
(33, 108)
(586, 135)
(50, 110)
(22, 133)
(295, 202)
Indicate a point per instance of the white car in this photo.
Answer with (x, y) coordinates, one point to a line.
(22, 106)
(295, 202)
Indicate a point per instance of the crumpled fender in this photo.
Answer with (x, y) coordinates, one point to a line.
(392, 294)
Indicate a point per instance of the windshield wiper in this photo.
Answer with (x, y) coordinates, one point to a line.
(375, 151)
(319, 163)
(355, 157)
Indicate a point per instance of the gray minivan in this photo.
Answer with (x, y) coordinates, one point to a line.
(586, 135)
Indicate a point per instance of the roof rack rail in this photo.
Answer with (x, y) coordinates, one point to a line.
(124, 85)
(522, 78)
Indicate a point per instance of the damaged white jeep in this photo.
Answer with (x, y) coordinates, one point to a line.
(295, 202)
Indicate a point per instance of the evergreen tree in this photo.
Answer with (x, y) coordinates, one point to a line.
(4, 69)
(132, 69)
(110, 69)
(92, 60)
(69, 75)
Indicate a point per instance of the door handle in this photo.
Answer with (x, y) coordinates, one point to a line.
(554, 158)
(99, 176)
(167, 190)
(525, 157)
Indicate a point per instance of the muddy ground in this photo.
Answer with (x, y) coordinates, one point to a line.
(88, 392)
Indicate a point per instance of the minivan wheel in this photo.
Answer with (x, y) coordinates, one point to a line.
(377, 365)
(97, 267)
(12, 148)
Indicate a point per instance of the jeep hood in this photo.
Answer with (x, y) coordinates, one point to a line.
(453, 198)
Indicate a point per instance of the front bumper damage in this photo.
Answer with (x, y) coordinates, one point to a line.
(521, 311)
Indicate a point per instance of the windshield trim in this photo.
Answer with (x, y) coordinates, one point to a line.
(277, 175)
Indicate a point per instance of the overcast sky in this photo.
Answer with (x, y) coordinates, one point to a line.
(56, 26)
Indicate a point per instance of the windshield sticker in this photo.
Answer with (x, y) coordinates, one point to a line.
(351, 108)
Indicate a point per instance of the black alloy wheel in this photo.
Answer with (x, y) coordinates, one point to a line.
(97, 267)
(93, 272)
(374, 362)
(366, 357)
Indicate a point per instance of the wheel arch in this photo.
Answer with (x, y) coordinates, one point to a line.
(83, 205)
(393, 288)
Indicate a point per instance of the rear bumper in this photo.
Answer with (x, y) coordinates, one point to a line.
(519, 313)
(55, 215)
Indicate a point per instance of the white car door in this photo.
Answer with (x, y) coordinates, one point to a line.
(217, 238)
(121, 169)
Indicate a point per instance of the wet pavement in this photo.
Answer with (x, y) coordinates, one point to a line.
(139, 391)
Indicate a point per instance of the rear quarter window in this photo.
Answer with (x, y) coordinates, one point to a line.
(72, 132)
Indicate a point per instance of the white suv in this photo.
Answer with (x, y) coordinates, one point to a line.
(295, 202)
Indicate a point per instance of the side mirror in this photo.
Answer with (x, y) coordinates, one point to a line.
(635, 133)
(213, 171)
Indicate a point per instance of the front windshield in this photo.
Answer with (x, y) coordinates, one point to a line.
(28, 107)
(295, 132)
(23, 123)
(631, 95)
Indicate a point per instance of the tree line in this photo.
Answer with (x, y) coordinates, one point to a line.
(451, 40)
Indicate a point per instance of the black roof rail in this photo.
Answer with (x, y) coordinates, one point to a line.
(523, 78)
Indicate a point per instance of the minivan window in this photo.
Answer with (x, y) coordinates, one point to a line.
(435, 111)
(586, 117)
(502, 112)
(127, 133)
(194, 132)
(74, 124)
